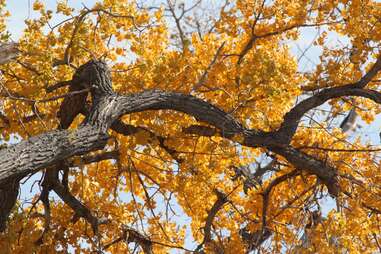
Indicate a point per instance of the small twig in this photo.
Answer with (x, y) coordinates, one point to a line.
(267, 191)
(58, 85)
(201, 81)
(19, 98)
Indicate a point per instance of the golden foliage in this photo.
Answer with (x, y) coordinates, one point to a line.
(243, 65)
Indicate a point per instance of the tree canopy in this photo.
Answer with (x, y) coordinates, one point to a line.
(189, 127)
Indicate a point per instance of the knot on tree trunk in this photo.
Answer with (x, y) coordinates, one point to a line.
(96, 76)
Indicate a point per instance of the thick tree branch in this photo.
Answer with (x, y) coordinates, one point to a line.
(300, 160)
(78, 207)
(107, 107)
(292, 118)
(46, 149)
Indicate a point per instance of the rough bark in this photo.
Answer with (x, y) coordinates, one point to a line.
(46, 149)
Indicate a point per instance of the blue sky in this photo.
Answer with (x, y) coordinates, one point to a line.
(23, 9)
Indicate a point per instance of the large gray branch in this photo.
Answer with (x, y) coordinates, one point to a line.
(292, 118)
(326, 173)
(46, 149)
(49, 148)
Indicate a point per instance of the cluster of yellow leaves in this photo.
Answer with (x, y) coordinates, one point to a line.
(140, 187)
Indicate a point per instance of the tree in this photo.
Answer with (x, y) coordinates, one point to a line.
(186, 127)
